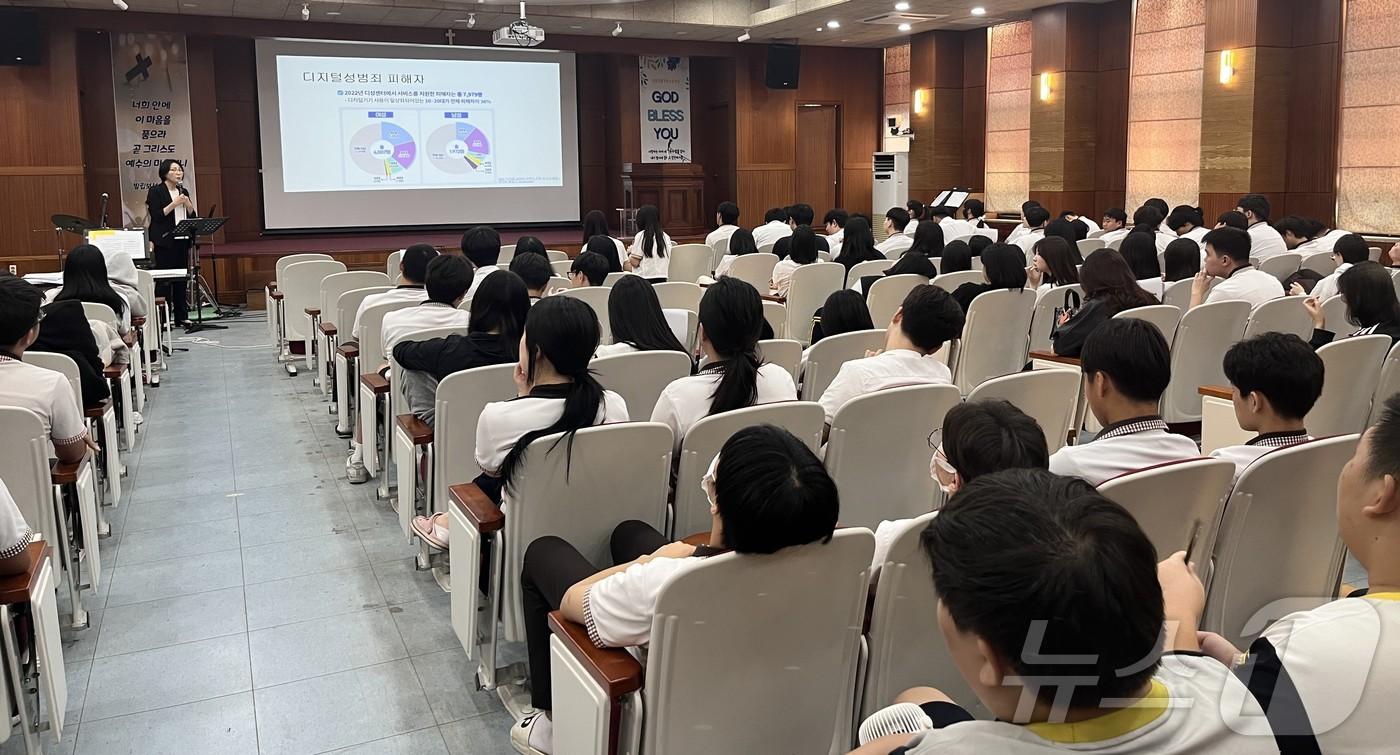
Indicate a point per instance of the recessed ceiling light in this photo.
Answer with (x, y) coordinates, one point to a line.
(819, 28)
(901, 5)
(833, 24)
(979, 11)
(905, 27)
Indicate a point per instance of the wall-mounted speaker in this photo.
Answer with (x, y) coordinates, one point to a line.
(784, 63)
(20, 37)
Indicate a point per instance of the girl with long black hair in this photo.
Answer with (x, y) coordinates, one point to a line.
(638, 323)
(858, 244)
(650, 254)
(595, 224)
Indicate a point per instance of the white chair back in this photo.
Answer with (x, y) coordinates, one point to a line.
(1337, 316)
(767, 248)
(1048, 396)
(1278, 543)
(613, 278)
(721, 248)
(754, 269)
(1351, 372)
(810, 286)
(1319, 262)
(597, 298)
(62, 364)
(147, 289)
(457, 406)
(372, 331)
(398, 403)
(292, 259)
(391, 266)
(1178, 294)
(705, 438)
(790, 621)
(1164, 316)
(301, 286)
(785, 353)
(827, 355)
(1043, 320)
(1206, 332)
(994, 340)
(878, 452)
(1388, 385)
(887, 294)
(868, 267)
(1177, 504)
(679, 295)
(335, 284)
(562, 267)
(1282, 265)
(950, 281)
(776, 314)
(102, 313)
(1114, 244)
(1088, 246)
(507, 254)
(824, 256)
(689, 262)
(24, 466)
(347, 304)
(555, 255)
(640, 377)
(1285, 314)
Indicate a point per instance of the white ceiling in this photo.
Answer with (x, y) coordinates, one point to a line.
(864, 23)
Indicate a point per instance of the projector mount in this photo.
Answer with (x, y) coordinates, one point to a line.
(520, 33)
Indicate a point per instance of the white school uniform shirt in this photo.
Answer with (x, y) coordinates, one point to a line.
(1198, 235)
(48, 394)
(770, 232)
(428, 314)
(1027, 242)
(1249, 452)
(1090, 224)
(1121, 448)
(1186, 710)
(477, 277)
(1327, 241)
(688, 400)
(1265, 242)
(613, 349)
(502, 423)
(953, 227)
(1020, 230)
(889, 369)
(655, 266)
(834, 240)
(1247, 283)
(1162, 239)
(1327, 287)
(722, 232)
(1109, 237)
(782, 275)
(15, 533)
(618, 610)
(911, 227)
(725, 262)
(895, 245)
(401, 293)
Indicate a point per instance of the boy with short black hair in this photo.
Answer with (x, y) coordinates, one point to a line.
(1275, 380)
(26, 386)
(834, 223)
(1227, 263)
(727, 220)
(588, 269)
(535, 271)
(775, 226)
(897, 238)
(1267, 241)
(1349, 250)
(413, 269)
(447, 281)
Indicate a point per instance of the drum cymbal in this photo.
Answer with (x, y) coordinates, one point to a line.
(73, 223)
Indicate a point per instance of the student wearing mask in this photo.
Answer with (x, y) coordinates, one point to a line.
(446, 282)
(802, 250)
(896, 240)
(1181, 261)
(1266, 242)
(637, 320)
(1109, 288)
(1003, 267)
(23, 385)
(1349, 250)
(536, 271)
(727, 220)
(1372, 307)
(1053, 264)
(740, 243)
(588, 269)
(775, 226)
(834, 223)
(1139, 250)
(595, 223)
(650, 253)
(1227, 264)
(1036, 219)
(1115, 225)
(1275, 378)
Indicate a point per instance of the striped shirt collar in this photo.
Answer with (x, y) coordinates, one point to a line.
(1279, 439)
(1132, 426)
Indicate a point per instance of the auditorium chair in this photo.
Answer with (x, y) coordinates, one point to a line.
(990, 233)
(1388, 385)
(579, 492)
(372, 406)
(1088, 246)
(154, 329)
(1178, 294)
(719, 249)
(410, 447)
(950, 281)
(34, 687)
(120, 377)
(1164, 317)
(767, 248)
(1279, 549)
(507, 254)
(702, 443)
(555, 255)
(776, 313)
(866, 268)
(878, 452)
(101, 422)
(689, 262)
(347, 352)
(1045, 317)
(562, 267)
(640, 377)
(825, 256)
(1285, 314)
(1050, 397)
(1374, 253)
(613, 278)
(1319, 262)
(597, 298)
(1206, 332)
(1114, 244)
(887, 294)
(679, 295)
(754, 269)
(826, 356)
(785, 353)
(1178, 504)
(391, 266)
(752, 653)
(1352, 371)
(273, 295)
(1337, 316)
(810, 286)
(301, 288)
(994, 340)
(326, 322)
(1282, 265)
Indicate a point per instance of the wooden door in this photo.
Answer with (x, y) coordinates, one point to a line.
(818, 155)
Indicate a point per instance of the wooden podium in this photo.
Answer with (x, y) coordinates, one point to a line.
(675, 188)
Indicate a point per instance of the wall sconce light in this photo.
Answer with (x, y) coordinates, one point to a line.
(1227, 66)
(920, 100)
(1045, 87)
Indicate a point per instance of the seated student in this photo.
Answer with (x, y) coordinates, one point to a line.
(638, 323)
(957, 255)
(1003, 266)
(916, 211)
(733, 375)
(1181, 261)
(481, 245)
(1369, 293)
(530, 245)
(740, 243)
(413, 269)
(1139, 250)
(926, 320)
(555, 394)
(977, 244)
(67, 331)
(944, 217)
(1049, 601)
(775, 226)
(844, 311)
(1072, 216)
(1298, 232)
(1053, 264)
(1231, 219)
(916, 260)
(121, 273)
(1036, 219)
(727, 220)
(446, 282)
(1333, 672)
(85, 280)
(1062, 229)
(1227, 263)
(767, 492)
(802, 250)
(834, 223)
(15, 536)
(650, 253)
(1024, 227)
(1115, 225)
(1127, 367)
(595, 223)
(801, 214)
(45, 392)
(1348, 250)
(535, 270)
(858, 243)
(1276, 378)
(974, 213)
(896, 237)
(1109, 288)
(588, 269)
(1187, 222)
(493, 337)
(1266, 241)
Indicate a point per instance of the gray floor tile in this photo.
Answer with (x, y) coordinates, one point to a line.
(177, 576)
(291, 524)
(298, 557)
(421, 742)
(80, 644)
(387, 544)
(403, 583)
(221, 726)
(449, 681)
(154, 515)
(292, 652)
(169, 621)
(267, 500)
(340, 710)
(286, 601)
(75, 676)
(174, 542)
(199, 488)
(154, 679)
(426, 626)
(483, 735)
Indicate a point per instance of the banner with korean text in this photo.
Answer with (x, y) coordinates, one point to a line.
(665, 109)
(150, 76)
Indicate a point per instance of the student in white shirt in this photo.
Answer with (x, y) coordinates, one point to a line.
(800, 215)
(1024, 227)
(481, 245)
(727, 220)
(45, 392)
(974, 213)
(413, 268)
(802, 250)
(740, 243)
(896, 239)
(1275, 378)
(650, 253)
(1227, 263)
(1127, 366)
(734, 375)
(1298, 233)
(1088, 222)
(1139, 250)
(1051, 608)
(15, 536)
(1349, 250)
(775, 226)
(1232, 219)
(555, 393)
(535, 271)
(1267, 241)
(916, 260)
(595, 223)
(447, 280)
(834, 223)
(1053, 264)
(1115, 225)
(927, 319)
(858, 243)
(917, 212)
(589, 268)
(1187, 222)
(1372, 307)
(1036, 219)
(638, 323)
(767, 492)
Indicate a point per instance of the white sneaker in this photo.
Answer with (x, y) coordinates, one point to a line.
(534, 735)
(355, 471)
(137, 418)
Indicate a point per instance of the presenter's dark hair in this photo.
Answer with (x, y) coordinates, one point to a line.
(728, 213)
(1005, 266)
(167, 164)
(1059, 259)
(482, 245)
(501, 304)
(741, 242)
(1133, 353)
(534, 269)
(731, 315)
(649, 228)
(991, 435)
(1182, 260)
(802, 245)
(19, 308)
(772, 492)
(957, 256)
(85, 279)
(448, 278)
(530, 245)
(595, 223)
(415, 261)
(1231, 242)
(1139, 250)
(592, 265)
(606, 247)
(1281, 366)
(635, 312)
(1369, 292)
(845, 311)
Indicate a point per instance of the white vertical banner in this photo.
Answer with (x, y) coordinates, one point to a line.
(151, 81)
(665, 108)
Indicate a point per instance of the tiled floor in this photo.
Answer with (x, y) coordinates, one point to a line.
(254, 602)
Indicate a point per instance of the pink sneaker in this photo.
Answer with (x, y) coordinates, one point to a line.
(432, 529)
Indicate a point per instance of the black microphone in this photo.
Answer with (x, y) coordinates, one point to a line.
(103, 213)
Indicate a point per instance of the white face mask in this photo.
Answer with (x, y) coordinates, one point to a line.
(939, 463)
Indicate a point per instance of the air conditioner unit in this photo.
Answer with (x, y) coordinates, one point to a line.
(890, 185)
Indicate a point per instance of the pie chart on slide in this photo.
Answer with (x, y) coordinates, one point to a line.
(383, 149)
(460, 148)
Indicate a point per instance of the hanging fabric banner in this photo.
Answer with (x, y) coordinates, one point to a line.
(150, 77)
(665, 109)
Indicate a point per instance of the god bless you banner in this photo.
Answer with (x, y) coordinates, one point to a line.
(665, 104)
(150, 78)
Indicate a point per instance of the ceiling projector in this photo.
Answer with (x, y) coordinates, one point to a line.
(520, 33)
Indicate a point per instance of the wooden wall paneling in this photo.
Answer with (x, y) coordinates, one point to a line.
(98, 123)
(1273, 82)
(592, 132)
(923, 152)
(235, 80)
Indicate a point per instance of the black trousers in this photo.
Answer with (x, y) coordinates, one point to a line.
(170, 258)
(550, 568)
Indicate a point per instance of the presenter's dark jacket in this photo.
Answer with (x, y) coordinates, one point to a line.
(162, 225)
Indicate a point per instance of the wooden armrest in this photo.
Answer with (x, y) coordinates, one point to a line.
(376, 383)
(313, 311)
(419, 432)
(114, 372)
(160, 300)
(699, 538)
(137, 321)
(1050, 356)
(476, 507)
(348, 350)
(614, 669)
(96, 412)
(1216, 391)
(773, 297)
(328, 328)
(15, 588)
(276, 295)
(65, 472)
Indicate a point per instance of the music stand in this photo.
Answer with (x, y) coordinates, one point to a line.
(195, 228)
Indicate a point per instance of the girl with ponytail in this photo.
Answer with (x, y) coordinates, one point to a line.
(735, 375)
